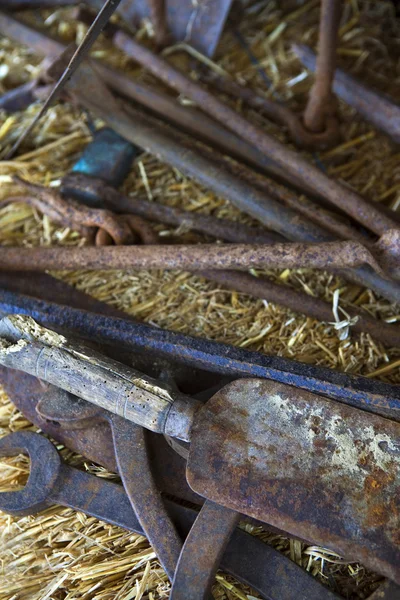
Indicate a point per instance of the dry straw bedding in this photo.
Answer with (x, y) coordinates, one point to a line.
(64, 555)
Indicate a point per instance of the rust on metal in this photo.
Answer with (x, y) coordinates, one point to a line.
(375, 108)
(278, 112)
(96, 224)
(347, 200)
(321, 107)
(329, 255)
(223, 229)
(292, 450)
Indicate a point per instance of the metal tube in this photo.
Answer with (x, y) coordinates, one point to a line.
(321, 102)
(349, 201)
(378, 110)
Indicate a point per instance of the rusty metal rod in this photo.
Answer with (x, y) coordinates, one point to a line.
(321, 103)
(186, 118)
(375, 108)
(186, 257)
(350, 202)
(277, 112)
(329, 221)
(222, 229)
(300, 302)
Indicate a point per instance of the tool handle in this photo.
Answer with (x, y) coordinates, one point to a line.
(26, 346)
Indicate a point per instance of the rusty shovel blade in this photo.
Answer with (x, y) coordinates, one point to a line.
(319, 470)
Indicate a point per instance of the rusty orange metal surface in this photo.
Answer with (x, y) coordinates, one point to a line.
(321, 471)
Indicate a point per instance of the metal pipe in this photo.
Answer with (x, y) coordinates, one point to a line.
(186, 257)
(375, 108)
(321, 104)
(350, 202)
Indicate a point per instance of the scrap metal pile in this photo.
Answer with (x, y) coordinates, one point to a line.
(239, 436)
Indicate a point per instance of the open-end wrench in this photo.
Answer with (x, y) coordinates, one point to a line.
(53, 482)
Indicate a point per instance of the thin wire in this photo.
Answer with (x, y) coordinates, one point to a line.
(84, 47)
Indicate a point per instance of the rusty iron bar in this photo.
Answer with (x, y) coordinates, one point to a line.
(347, 200)
(186, 118)
(298, 301)
(190, 257)
(332, 223)
(72, 214)
(212, 174)
(321, 105)
(202, 552)
(97, 224)
(277, 112)
(223, 229)
(75, 57)
(194, 166)
(159, 21)
(379, 110)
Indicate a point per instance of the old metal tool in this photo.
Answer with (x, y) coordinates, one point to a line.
(258, 565)
(375, 108)
(245, 557)
(238, 446)
(53, 482)
(208, 356)
(178, 151)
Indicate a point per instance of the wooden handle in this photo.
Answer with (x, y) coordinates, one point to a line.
(26, 346)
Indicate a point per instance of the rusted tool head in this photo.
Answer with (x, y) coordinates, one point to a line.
(316, 469)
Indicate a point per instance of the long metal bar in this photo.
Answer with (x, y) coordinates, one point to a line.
(367, 394)
(189, 257)
(379, 110)
(321, 104)
(109, 197)
(347, 200)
